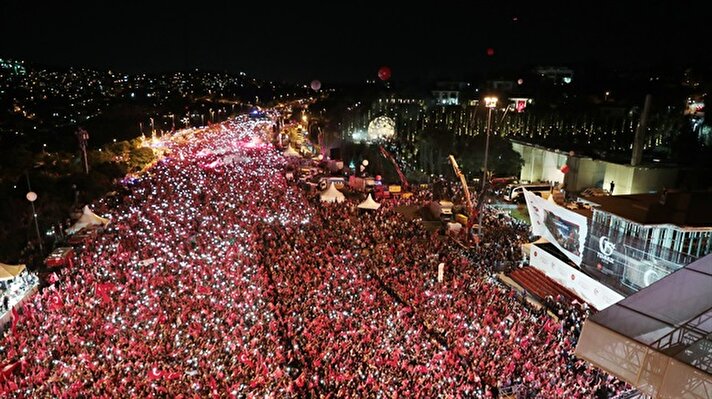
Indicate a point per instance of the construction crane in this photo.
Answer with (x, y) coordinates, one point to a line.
(401, 176)
(468, 200)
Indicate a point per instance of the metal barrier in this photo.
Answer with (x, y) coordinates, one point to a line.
(511, 391)
(631, 394)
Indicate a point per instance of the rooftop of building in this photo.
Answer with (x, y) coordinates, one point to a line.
(585, 151)
(683, 208)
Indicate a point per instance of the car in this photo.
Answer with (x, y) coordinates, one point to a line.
(441, 210)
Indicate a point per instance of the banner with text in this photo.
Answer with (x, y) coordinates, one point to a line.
(565, 229)
(580, 283)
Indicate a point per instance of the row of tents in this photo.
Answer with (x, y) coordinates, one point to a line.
(332, 194)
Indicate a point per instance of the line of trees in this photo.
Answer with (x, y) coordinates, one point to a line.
(61, 184)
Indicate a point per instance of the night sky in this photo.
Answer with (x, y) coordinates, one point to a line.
(348, 41)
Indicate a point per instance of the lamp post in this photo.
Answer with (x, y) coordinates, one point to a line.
(490, 103)
(320, 139)
(83, 137)
(76, 196)
(32, 197)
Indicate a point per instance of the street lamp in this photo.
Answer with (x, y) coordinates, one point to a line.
(32, 197)
(83, 138)
(490, 103)
(320, 139)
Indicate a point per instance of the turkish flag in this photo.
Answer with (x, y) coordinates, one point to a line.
(195, 330)
(109, 329)
(301, 380)
(103, 290)
(8, 368)
(56, 302)
(521, 104)
(174, 375)
(154, 374)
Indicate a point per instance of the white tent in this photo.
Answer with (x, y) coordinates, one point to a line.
(290, 152)
(331, 194)
(9, 272)
(369, 204)
(88, 218)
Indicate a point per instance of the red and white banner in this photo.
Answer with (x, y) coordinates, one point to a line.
(588, 289)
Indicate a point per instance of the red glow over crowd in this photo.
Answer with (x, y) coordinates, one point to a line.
(217, 278)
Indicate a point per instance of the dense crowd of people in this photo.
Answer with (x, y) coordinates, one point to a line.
(218, 278)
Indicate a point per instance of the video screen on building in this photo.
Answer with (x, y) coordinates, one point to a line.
(565, 229)
(626, 262)
(612, 251)
(565, 232)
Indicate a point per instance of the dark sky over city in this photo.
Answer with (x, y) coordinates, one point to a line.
(348, 41)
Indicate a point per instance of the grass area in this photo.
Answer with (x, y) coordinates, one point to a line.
(520, 213)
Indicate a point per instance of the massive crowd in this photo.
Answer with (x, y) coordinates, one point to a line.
(218, 278)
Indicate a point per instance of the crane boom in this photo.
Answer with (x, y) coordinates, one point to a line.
(401, 176)
(465, 189)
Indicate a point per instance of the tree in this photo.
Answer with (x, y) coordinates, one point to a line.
(434, 146)
(140, 157)
(505, 161)
(686, 146)
(14, 163)
(502, 160)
